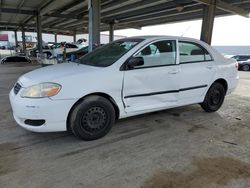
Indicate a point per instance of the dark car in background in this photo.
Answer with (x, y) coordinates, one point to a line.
(244, 65)
(243, 60)
(12, 59)
(241, 57)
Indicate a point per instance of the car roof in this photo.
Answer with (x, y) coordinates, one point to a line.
(155, 37)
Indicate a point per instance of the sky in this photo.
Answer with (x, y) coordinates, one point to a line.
(228, 30)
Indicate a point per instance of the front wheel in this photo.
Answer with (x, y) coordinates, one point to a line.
(92, 118)
(214, 98)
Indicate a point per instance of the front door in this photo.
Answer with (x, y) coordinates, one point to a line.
(155, 84)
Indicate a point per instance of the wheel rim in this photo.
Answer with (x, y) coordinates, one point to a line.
(94, 120)
(215, 98)
(245, 67)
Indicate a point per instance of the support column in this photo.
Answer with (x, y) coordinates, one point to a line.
(94, 23)
(16, 41)
(55, 38)
(39, 33)
(74, 37)
(23, 41)
(111, 32)
(208, 22)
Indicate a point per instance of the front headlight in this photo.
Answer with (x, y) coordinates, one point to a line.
(41, 90)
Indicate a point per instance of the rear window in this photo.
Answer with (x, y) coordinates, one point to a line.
(191, 52)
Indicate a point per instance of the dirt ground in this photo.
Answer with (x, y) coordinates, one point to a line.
(177, 148)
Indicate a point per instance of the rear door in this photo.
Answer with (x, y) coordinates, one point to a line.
(197, 70)
(156, 83)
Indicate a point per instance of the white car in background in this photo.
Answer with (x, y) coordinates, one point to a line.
(125, 78)
(68, 47)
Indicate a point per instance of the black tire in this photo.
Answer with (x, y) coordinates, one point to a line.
(245, 67)
(214, 98)
(93, 118)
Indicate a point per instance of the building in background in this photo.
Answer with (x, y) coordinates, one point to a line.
(4, 41)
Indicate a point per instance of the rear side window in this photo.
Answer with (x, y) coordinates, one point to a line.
(160, 53)
(191, 52)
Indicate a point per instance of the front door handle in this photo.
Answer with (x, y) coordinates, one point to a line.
(173, 71)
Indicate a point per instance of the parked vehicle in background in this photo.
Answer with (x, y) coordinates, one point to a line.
(241, 57)
(124, 78)
(12, 59)
(244, 65)
(79, 53)
(68, 47)
(47, 50)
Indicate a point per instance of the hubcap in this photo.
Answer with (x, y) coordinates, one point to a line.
(94, 119)
(215, 97)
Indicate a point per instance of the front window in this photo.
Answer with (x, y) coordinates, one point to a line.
(161, 53)
(110, 53)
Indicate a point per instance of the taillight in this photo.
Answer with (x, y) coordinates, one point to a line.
(237, 65)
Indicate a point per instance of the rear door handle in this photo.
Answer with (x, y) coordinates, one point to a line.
(173, 72)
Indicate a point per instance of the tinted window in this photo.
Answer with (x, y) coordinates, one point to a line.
(70, 46)
(191, 52)
(158, 54)
(110, 53)
(243, 58)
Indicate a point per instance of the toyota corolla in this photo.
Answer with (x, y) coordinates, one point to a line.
(125, 78)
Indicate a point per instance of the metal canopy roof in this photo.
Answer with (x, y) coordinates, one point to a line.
(71, 16)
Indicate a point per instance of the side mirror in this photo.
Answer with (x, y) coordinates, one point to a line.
(134, 62)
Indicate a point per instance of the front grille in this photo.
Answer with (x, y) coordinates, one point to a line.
(17, 88)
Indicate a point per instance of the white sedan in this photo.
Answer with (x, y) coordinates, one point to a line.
(125, 78)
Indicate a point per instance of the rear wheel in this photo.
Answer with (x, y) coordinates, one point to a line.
(214, 98)
(245, 68)
(92, 118)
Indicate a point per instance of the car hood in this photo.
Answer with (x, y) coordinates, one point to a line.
(54, 72)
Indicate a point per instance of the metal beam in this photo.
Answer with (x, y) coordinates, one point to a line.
(18, 11)
(49, 7)
(227, 7)
(94, 23)
(132, 12)
(67, 16)
(163, 13)
(131, 7)
(208, 22)
(164, 20)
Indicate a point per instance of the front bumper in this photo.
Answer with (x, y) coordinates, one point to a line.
(54, 112)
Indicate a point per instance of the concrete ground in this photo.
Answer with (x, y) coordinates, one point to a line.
(178, 148)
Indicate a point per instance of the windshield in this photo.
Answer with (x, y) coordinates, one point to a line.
(110, 53)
